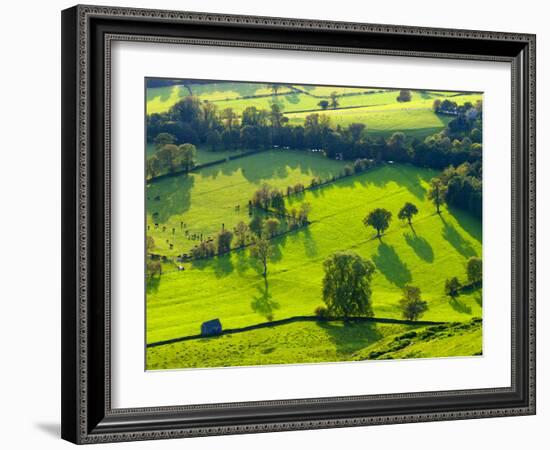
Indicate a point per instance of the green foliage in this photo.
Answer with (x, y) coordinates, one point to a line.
(452, 287)
(223, 241)
(242, 233)
(474, 270)
(404, 96)
(205, 249)
(412, 306)
(379, 219)
(261, 249)
(407, 212)
(437, 193)
(346, 284)
(271, 227)
(153, 268)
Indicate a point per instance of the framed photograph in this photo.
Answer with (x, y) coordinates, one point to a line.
(281, 224)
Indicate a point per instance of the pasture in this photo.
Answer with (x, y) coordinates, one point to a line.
(377, 108)
(232, 289)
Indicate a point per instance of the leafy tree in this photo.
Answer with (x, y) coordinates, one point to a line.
(187, 154)
(333, 100)
(411, 305)
(241, 233)
(261, 250)
(187, 110)
(162, 139)
(271, 226)
(223, 241)
(229, 118)
(213, 140)
(278, 201)
(149, 244)
(303, 213)
(323, 104)
(276, 116)
(404, 96)
(407, 212)
(262, 197)
(152, 268)
(256, 225)
(379, 219)
(205, 249)
(452, 287)
(167, 157)
(436, 105)
(346, 284)
(153, 166)
(437, 193)
(474, 270)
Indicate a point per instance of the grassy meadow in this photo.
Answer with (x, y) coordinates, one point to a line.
(181, 210)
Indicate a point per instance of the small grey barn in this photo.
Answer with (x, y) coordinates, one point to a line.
(211, 328)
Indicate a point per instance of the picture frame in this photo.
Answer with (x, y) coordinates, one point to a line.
(87, 413)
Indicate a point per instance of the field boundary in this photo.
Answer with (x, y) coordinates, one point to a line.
(294, 319)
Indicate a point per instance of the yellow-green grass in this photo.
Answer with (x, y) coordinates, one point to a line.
(203, 155)
(207, 198)
(414, 117)
(317, 342)
(232, 289)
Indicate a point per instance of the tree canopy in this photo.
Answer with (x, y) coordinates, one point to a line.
(411, 305)
(346, 284)
(379, 219)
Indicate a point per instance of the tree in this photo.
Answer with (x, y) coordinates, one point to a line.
(436, 105)
(262, 197)
(241, 232)
(404, 96)
(474, 270)
(186, 155)
(256, 225)
(323, 104)
(333, 100)
(437, 193)
(303, 213)
(412, 306)
(149, 244)
(167, 157)
(230, 118)
(278, 201)
(379, 219)
(162, 139)
(261, 250)
(223, 241)
(346, 284)
(452, 287)
(407, 212)
(153, 166)
(213, 140)
(271, 226)
(153, 268)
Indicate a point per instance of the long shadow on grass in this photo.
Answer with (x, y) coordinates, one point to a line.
(263, 303)
(468, 223)
(350, 337)
(152, 285)
(222, 265)
(169, 197)
(460, 306)
(421, 247)
(454, 238)
(387, 261)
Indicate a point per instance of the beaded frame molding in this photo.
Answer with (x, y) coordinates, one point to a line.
(87, 35)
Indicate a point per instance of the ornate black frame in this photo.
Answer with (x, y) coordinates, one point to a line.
(87, 32)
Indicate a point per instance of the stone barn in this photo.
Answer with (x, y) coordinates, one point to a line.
(211, 328)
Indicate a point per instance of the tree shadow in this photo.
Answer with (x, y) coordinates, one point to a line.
(387, 261)
(421, 246)
(263, 302)
(243, 261)
(350, 337)
(310, 245)
(460, 306)
(454, 238)
(468, 223)
(169, 197)
(152, 285)
(478, 297)
(222, 265)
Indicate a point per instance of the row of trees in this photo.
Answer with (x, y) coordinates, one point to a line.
(170, 158)
(347, 291)
(195, 122)
(474, 275)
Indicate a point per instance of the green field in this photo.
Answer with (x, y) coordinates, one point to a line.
(377, 108)
(232, 289)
